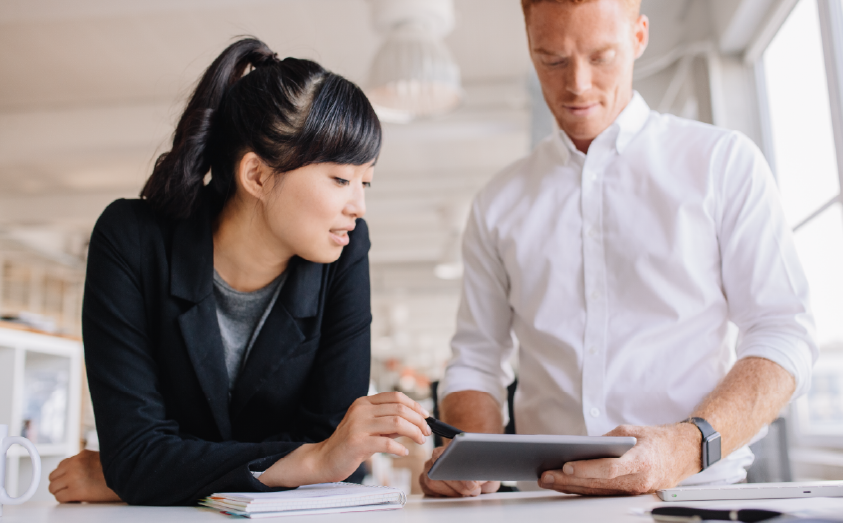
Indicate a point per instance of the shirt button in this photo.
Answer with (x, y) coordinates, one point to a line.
(592, 232)
(595, 295)
(592, 350)
(595, 412)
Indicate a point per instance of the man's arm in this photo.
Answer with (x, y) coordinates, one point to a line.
(749, 397)
(472, 411)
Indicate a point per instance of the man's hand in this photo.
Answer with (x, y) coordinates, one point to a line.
(80, 478)
(662, 458)
(453, 488)
(471, 411)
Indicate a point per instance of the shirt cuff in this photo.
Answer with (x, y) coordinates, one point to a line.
(797, 360)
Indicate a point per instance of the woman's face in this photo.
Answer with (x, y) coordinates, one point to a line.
(311, 210)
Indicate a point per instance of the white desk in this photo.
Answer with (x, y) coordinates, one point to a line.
(491, 508)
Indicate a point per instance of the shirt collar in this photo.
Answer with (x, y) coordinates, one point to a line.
(631, 120)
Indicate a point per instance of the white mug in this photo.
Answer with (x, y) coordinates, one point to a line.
(5, 443)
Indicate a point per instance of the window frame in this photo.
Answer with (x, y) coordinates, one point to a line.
(831, 28)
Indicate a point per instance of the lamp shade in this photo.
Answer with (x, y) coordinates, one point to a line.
(413, 75)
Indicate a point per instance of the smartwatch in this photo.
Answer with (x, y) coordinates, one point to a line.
(710, 442)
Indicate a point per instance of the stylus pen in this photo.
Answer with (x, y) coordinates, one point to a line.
(442, 429)
(668, 514)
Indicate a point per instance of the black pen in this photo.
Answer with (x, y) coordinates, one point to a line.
(677, 514)
(442, 429)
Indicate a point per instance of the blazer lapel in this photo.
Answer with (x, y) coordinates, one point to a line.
(280, 335)
(191, 279)
(201, 333)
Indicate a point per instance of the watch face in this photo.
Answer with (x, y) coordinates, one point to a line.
(712, 443)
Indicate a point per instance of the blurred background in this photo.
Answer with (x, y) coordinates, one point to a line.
(90, 91)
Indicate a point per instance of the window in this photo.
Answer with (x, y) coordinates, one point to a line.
(805, 159)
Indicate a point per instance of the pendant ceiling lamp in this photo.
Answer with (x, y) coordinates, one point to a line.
(413, 74)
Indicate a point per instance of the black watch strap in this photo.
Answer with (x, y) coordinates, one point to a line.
(710, 442)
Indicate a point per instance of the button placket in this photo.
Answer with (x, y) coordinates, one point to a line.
(594, 274)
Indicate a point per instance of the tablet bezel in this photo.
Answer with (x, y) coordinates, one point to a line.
(519, 457)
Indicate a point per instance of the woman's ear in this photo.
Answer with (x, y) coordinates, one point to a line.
(253, 175)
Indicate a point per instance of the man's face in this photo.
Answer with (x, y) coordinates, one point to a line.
(583, 55)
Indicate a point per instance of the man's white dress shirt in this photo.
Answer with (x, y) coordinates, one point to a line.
(618, 273)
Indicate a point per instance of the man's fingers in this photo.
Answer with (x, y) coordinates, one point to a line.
(457, 488)
(588, 491)
(438, 488)
(606, 468)
(452, 488)
(467, 487)
(490, 487)
(632, 484)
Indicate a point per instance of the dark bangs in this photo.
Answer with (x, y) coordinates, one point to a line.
(341, 127)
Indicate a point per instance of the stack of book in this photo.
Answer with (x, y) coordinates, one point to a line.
(325, 498)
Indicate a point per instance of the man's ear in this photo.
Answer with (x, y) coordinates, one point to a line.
(641, 33)
(253, 174)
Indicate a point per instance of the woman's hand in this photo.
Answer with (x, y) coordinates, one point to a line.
(80, 478)
(369, 427)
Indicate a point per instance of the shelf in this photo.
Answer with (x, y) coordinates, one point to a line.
(40, 343)
(45, 450)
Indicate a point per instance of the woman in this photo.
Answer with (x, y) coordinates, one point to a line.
(226, 324)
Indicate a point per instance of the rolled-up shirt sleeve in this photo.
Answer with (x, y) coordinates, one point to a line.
(483, 344)
(763, 279)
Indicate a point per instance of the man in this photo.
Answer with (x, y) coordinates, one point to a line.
(617, 253)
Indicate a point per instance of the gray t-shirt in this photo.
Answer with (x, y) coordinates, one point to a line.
(241, 316)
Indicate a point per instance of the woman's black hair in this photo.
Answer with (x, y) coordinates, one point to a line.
(290, 112)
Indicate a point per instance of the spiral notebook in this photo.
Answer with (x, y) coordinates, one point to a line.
(324, 498)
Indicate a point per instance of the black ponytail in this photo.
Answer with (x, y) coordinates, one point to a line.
(290, 112)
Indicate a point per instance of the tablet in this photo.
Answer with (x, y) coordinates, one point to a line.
(519, 457)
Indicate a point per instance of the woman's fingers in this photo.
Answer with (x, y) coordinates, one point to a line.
(398, 397)
(65, 495)
(398, 409)
(60, 471)
(396, 425)
(57, 485)
(390, 446)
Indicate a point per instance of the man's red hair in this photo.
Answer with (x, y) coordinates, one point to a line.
(633, 6)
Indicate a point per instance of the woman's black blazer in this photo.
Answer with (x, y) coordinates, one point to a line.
(169, 432)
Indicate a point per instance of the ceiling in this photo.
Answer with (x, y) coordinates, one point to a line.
(97, 86)
(91, 89)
